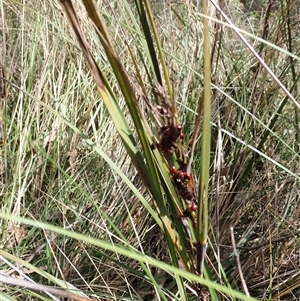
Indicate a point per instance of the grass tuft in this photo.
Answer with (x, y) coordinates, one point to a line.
(88, 204)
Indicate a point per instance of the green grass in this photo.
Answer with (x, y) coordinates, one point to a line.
(76, 213)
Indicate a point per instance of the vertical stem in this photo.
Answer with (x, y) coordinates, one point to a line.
(202, 229)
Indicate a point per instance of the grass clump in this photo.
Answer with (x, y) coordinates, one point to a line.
(88, 203)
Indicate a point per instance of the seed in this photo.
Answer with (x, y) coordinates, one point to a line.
(172, 170)
(194, 207)
(187, 176)
(179, 127)
(170, 152)
(180, 174)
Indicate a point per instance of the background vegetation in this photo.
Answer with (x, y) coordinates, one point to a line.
(52, 175)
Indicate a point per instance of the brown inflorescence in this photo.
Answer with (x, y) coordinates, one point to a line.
(170, 137)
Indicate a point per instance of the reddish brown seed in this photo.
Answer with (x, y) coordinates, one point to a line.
(194, 225)
(182, 136)
(187, 176)
(169, 152)
(180, 174)
(172, 170)
(179, 127)
(160, 147)
(194, 207)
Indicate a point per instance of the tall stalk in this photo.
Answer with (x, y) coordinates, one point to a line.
(202, 229)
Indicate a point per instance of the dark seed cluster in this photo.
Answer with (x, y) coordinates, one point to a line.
(172, 148)
(170, 138)
(184, 185)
